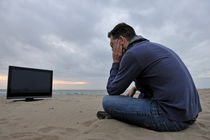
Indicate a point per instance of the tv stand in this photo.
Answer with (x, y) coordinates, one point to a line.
(29, 99)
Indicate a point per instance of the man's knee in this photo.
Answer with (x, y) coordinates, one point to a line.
(105, 101)
(108, 102)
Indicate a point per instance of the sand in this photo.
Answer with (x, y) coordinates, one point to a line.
(73, 117)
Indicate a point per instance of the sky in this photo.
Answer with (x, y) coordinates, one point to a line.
(70, 37)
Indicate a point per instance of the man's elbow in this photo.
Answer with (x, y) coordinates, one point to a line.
(114, 91)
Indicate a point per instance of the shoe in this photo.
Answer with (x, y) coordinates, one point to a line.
(103, 115)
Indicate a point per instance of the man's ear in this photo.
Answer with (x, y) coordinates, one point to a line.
(122, 40)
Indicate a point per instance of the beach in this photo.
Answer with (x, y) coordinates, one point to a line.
(73, 117)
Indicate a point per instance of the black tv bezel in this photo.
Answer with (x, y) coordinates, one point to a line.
(27, 97)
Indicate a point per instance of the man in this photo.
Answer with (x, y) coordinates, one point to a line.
(168, 101)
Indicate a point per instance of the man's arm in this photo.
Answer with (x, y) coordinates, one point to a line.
(122, 74)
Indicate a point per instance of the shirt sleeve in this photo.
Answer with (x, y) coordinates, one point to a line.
(122, 74)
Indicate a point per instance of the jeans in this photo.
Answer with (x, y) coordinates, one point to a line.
(140, 111)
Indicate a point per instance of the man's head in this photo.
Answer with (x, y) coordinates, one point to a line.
(122, 33)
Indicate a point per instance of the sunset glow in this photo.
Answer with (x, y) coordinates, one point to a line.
(56, 82)
(61, 82)
(3, 77)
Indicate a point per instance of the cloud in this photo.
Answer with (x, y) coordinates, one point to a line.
(70, 37)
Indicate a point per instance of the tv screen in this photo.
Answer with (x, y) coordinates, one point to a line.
(29, 83)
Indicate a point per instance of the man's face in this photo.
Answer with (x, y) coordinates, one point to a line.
(113, 42)
(122, 41)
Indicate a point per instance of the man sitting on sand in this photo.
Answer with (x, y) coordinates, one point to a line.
(168, 101)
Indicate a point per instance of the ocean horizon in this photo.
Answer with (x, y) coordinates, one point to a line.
(3, 92)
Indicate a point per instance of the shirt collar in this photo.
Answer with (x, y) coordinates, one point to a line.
(135, 39)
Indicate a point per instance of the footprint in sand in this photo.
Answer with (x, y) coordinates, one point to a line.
(47, 129)
(60, 130)
(95, 139)
(4, 137)
(201, 129)
(3, 121)
(201, 125)
(91, 126)
(18, 119)
(23, 134)
(88, 123)
(43, 137)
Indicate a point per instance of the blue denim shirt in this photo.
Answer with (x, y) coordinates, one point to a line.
(159, 73)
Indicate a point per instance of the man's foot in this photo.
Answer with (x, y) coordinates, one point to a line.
(103, 115)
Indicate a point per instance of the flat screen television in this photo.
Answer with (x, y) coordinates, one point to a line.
(29, 83)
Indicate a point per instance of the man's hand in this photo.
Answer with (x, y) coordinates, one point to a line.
(117, 52)
(131, 92)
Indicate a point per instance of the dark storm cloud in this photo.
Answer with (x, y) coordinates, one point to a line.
(70, 37)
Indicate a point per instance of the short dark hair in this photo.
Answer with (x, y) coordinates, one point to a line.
(122, 29)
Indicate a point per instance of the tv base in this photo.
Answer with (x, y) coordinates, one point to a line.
(32, 99)
(29, 99)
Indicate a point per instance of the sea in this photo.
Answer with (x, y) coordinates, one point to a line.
(3, 92)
